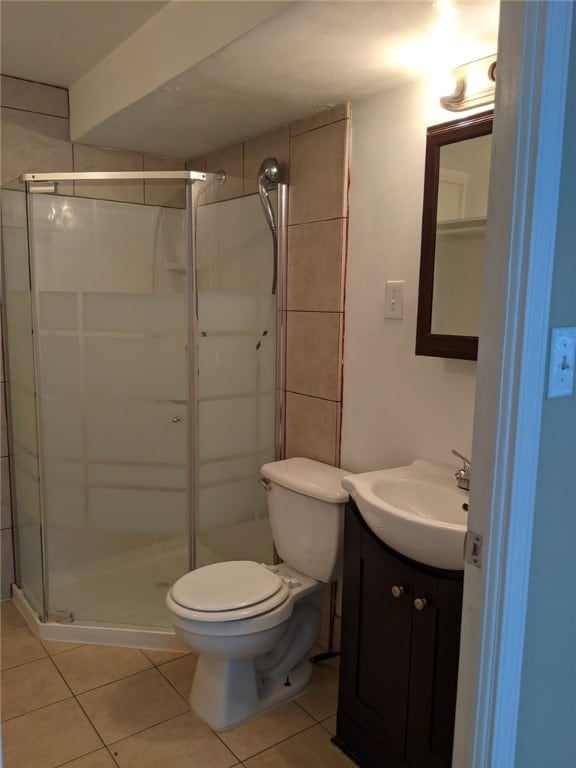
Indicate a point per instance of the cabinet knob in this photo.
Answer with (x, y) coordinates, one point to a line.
(397, 591)
(420, 603)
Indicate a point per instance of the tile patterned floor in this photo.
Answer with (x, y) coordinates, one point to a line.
(91, 706)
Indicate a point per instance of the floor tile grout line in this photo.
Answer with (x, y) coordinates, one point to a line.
(87, 716)
(36, 709)
(221, 740)
(184, 698)
(157, 666)
(86, 754)
(66, 683)
(111, 682)
(287, 738)
(23, 664)
(4, 629)
(107, 745)
(110, 746)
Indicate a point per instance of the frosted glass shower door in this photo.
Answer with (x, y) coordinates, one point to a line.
(236, 356)
(110, 282)
(21, 384)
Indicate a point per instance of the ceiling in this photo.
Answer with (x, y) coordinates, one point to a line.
(297, 59)
(58, 42)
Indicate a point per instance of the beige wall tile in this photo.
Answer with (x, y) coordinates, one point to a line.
(48, 737)
(171, 194)
(341, 112)
(121, 709)
(32, 142)
(5, 501)
(312, 428)
(3, 425)
(19, 646)
(267, 729)
(319, 174)
(182, 742)
(231, 161)
(196, 164)
(274, 144)
(337, 632)
(89, 666)
(87, 158)
(11, 616)
(34, 97)
(31, 686)
(324, 639)
(7, 554)
(312, 748)
(313, 354)
(316, 266)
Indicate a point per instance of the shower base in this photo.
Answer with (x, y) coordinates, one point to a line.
(113, 585)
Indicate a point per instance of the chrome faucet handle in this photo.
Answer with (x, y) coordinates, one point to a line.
(462, 475)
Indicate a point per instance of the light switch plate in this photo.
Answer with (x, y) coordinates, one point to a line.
(394, 299)
(562, 360)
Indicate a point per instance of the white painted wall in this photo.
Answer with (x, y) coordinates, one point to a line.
(397, 406)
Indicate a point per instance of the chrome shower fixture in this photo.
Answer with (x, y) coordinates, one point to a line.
(267, 179)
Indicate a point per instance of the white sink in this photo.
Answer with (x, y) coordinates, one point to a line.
(417, 510)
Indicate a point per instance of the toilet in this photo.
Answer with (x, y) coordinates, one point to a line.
(253, 625)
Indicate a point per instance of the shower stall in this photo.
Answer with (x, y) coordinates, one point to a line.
(144, 348)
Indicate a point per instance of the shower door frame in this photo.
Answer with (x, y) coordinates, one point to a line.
(44, 180)
(280, 362)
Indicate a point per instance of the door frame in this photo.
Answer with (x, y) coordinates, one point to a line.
(534, 49)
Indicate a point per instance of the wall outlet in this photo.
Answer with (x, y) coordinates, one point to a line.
(562, 360)
(394, 299)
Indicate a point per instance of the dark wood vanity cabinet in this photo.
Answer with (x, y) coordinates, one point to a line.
(399, 657)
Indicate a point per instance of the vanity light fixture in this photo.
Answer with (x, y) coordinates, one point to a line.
(475, 85)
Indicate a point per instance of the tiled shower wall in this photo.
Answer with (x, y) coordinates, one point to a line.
(35, 137)
(313, 157)
(5, 506)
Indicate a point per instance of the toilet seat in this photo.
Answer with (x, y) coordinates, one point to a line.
(229, 591)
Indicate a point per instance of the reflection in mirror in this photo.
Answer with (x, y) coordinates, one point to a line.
(453, 237)
(460, 236)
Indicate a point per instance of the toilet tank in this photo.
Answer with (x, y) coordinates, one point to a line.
(306, 507)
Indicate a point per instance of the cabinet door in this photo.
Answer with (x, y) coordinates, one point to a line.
(434, 670)
(375, 639)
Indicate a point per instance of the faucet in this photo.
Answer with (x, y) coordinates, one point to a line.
(463, 474)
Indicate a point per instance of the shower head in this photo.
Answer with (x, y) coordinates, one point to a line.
(267, 178)
(268, 173)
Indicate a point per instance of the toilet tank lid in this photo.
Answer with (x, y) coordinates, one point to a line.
(309, 477)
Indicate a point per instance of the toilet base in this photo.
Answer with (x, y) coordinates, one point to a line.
(225, 692)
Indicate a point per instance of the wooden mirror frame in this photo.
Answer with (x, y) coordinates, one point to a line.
(437, 136)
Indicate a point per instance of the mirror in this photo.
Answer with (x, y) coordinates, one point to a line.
(456, 178)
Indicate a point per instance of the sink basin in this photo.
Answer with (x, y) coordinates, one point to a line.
(416, 510)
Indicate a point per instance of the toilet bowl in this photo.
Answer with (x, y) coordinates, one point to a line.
(253, 625)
